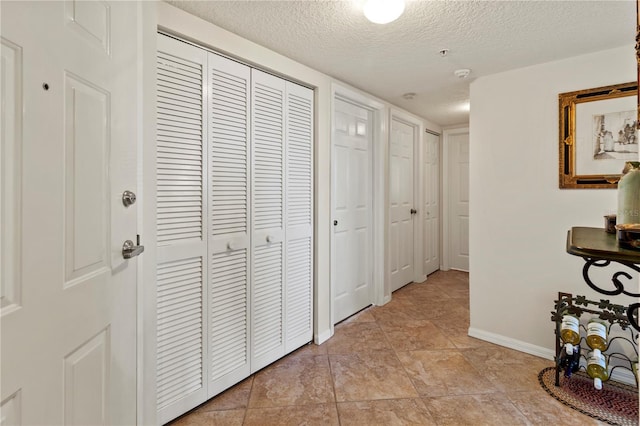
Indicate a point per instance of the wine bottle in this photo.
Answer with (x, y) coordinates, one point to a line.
(597, 336)
(570, 332)
(572, 363)
(597, 369)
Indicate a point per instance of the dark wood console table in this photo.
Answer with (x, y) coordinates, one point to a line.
(599, 249)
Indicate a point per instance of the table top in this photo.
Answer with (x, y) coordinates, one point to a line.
(596, 243)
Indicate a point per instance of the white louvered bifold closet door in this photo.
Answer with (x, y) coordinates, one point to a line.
(182, 230)
(229, 229)
(299, 217)
(235, 223)
(268, 136)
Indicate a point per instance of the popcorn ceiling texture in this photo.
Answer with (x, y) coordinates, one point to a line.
(388, 60)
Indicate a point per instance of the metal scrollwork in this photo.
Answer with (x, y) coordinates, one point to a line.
(618, 284)
(632, 315)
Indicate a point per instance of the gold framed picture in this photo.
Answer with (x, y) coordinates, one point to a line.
(598, 134)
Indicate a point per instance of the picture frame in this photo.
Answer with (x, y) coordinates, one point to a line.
(598, 133)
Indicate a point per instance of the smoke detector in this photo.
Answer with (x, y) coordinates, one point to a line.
(462, 73)
(409, 96)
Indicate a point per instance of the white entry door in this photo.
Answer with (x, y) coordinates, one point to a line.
(69, 141)
(351, 247)
(431, 209)
(458, 146)
(401, 208)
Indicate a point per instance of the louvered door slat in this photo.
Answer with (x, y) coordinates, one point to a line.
(228, 306)
(299, 302)
(180, 145)
(267, 299)
(299, 145)
(229, 219)
(268, 141)
(229, 145)
(181, 210)
(179, 282)
(268, 116)
(299, 198)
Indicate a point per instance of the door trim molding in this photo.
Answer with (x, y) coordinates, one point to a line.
(418, 155)
(380, 142)
(446, 207)
(146, 280)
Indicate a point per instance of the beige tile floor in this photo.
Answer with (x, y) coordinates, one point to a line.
(407, 362)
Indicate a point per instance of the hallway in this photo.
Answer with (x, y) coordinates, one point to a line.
(407, 362)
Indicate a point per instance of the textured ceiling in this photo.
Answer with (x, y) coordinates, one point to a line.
(400, 57)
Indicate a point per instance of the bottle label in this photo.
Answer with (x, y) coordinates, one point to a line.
(597, 329)
(597, 359)
(570, 323)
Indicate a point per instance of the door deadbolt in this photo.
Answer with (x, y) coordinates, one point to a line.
(128, 198)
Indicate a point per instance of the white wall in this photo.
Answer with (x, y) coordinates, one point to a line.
(519, 217)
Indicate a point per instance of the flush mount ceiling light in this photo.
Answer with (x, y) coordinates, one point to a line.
(383, 11)
(462, 73)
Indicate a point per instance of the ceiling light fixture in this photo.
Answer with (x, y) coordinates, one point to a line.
(409, 96)
(462, 73)
(383, 11)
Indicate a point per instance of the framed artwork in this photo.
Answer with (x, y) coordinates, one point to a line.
(598, 134)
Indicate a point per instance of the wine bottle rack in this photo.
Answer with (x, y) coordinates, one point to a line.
(613, 314)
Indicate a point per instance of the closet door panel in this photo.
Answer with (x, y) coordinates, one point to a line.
(268, 138)
(299, 217)
(181, 213)
(229, 227)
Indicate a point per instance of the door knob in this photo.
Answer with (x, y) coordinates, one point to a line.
(269, 238)
(128, 198)
(129, 249)
(335, 223)
(414, 211)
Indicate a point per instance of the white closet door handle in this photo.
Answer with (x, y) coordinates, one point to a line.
(269, 238)
(229, 246)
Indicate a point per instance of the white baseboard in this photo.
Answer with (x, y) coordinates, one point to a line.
(385, 300)
(510, 343)
(619, 374)
(322, 337)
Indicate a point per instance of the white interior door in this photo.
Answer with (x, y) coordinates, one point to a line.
(458, 146)
(69, 143)
(431, 212)
(351, 248)
(401, 205)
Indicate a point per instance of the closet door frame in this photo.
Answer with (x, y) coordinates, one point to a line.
(381, 288)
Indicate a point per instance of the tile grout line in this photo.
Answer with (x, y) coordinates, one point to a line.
(246, 409)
